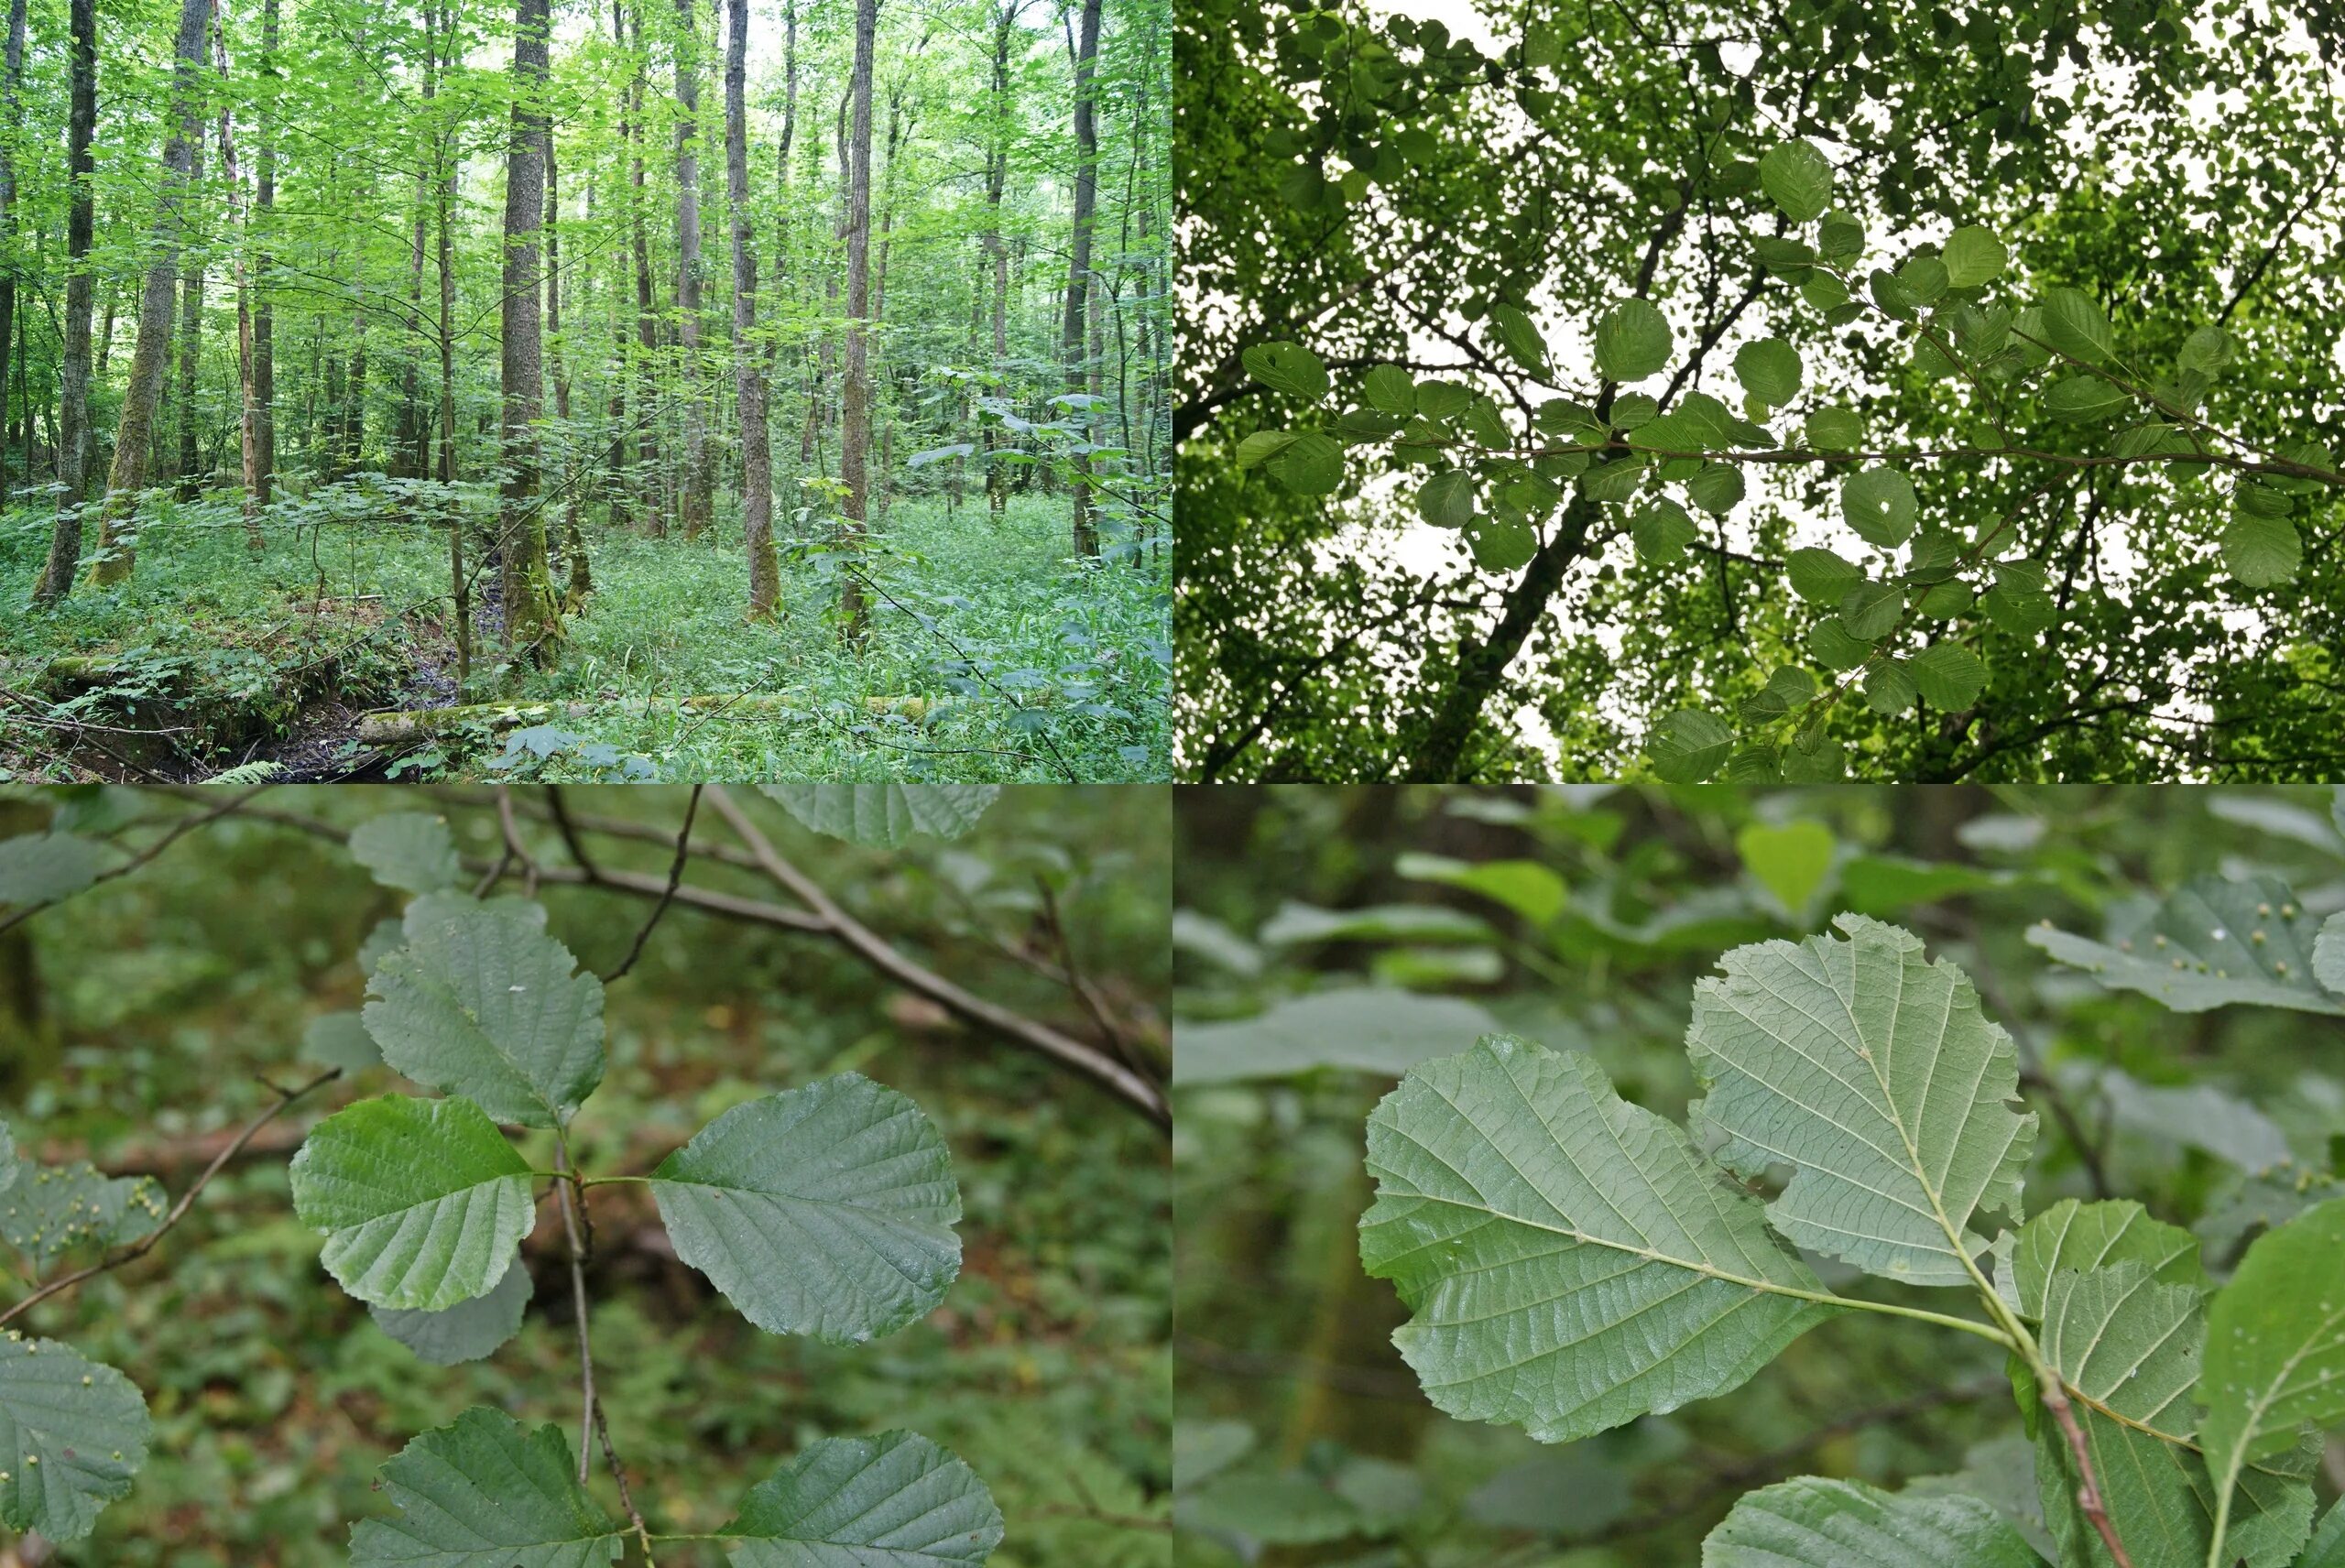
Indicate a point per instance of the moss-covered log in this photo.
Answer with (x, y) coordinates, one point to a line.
(391, 727)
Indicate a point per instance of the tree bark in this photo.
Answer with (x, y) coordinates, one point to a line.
(532, 622)
(617, 495)
(254, 541)
(190, 322)
(700, 476)
(574, 542)
(646, 332)
(855, 403)
(9, 109)
(748, 366)
(1075, 332)
(74, 419)
(1004, 23)
(134, 442)
(260, 448)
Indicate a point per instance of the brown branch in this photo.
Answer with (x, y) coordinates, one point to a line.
(590, 1417)
(2055, 1399)
(145, 1244)
(675, 878)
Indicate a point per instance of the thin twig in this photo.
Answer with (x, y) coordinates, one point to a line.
(140, 1248)
(591, 1420)
(2055, 1399)
(513, 845)
(1084, 991)
(675, 878)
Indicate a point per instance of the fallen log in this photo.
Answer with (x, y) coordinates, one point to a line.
(392, 727)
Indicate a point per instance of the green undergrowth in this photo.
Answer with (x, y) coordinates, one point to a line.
(993, 655)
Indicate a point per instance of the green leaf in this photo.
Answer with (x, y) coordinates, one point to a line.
(1359, 1029)
(892, 1501)
(421, 1201)
(2327, 1548)
(2075, 324)
(52, 1209)
(1836, 430)
(1789, 860)
(1809, 1522)
(1501, 544)
(1390, 388)
(1286, 368)
(1525, 887)
(1632, 340)
(1717, 489)
(1797, 179)
(2083, 397)
(1973, 255)
(1661, 530)
(2276, 1345)
(1447, 499)
(41, 868)
(2212, 943)
(72, 1433)
(1879, 503)
(1924, 278)
(340, 1040)
(1689, 746)
(1261, 446)
(9, 1165)
(1825, 1054)
(485, 1492)
(1889, 690)
(2262, 552)
(1438, 399)
(886, 814)
(2074, 1235)
(1948, 676)
(826, 1210)
(482, 1002)
(1841, 238)
(1834, 648)
(1870, 609)
(1768, 370)
(467, 1331)
(414, 849)
(1311, 464)
(2328, 967)
(1787, 687)
(1569, 1262)
(2206, 350)
(1519, 335)
(1821, 577)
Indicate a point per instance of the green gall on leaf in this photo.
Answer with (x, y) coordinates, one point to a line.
(1797, 180)
(1973, 255)
(1689, 746)
(72, 1433)
(1632, 340)
(1287, 368)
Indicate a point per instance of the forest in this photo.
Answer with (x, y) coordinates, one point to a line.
(584, 391)
(1781, 394)
(2118, 1033)
(950, 1035)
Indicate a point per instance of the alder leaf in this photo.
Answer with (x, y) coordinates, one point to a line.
(2327, 965)
(886, 814)
(1797, 179)
(72, 1433)
(2075, 1235)
(1689, 746)
(1286, 368)
(1879, 503)
(1973, 255)
(467, 1331)
(422, 1203)
(1359, 1029)
(1821, 577)
(827, 1210)
(2213, 942)
(1810, 1522)
(1836, 1056)
(2259, 552)
(408, 849)
(52, 1209)
(485, 1492)
(2075, 324)
(1569, 1262)
(897, 1500)
(482, 1002)
(1768, 369)
(41, 868)
(9, 1163)
(1948, 676)
(2275, 1343)
(1632, 341)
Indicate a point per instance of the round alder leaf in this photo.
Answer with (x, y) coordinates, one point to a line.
(1870, 609)
(1634, 411)
(41, 868)
(422, 1203)
(72, 1433)
(897, 1500)
(2083, 397)
(1889, 690)
(1519, 335)
(1810, 1522)
(1632, 340)
(1768, 370)
(1836, 430)
(1948, 676)
(827, 1210)
(1820, 577)
(467, 1331)
(1797, 179)
(1924, 278)
(1879, 503)
(1661, 530)
(885, 816)
(1834, 648)
(1689, 746)
(2205, 351)
(2261, 552)
(1390, 389)
(1717, 489)
(486, 1493)
(1447, 499)
(413, 850)
(1501, 544)
(2075, 324)
(1311, 464)
(1261, 446)
(1790, 859)
(1973, 255)
(1287, 368)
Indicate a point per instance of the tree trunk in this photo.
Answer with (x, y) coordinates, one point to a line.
(254, 541)
(896, 130)
(700, 476)
(134, 442)
(72, 443)
(260, 451)
(855, 403)
(617, 495)
(532, 622)
(574, 542)
(748, 368)
(646, 332)
(9, 111)
(1005, 23)
(1076, 336)
(183, 466)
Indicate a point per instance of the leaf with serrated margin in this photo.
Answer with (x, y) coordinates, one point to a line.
(2326, 1547)
(885, 814)
(486, 1493)
(2127, 1348)
(467, 1331)
(896, 1500)
(482, 1002)
(1810, 1522)
(421, 1201)
(827, 1210)
(1569, 1262)
(72, 1433)
(413, 850)
(1797, 179)
(2074, 1235)
(2275, 1343)
(52, 1209)
(1872, 1073)
(41, 868)
(2213, 942)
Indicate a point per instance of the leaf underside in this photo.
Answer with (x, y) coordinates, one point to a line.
(50, 1210)
(2213, 942)
(485, 1492)
(1810, 1522)
(885, 814)
(467, 1331)
(72, 1433)
(897, 1500)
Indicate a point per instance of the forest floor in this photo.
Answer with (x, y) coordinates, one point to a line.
(993, 655)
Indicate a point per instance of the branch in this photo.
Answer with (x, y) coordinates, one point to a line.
(675, 877)
(590, 1417)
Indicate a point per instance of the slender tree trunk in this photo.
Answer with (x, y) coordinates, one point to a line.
(617, 492)
(645, 324)
(855, 405)
(254, 542)
(10, 113)
(260, 452)
(818, 397)
(410, 448)
(700, 476)
(65, 541)
(134, 442)
(183, 467)
(1074, 338)
(748, 366)
(1004, 23)
(532, 621)
(896, 130)
(573, 541)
